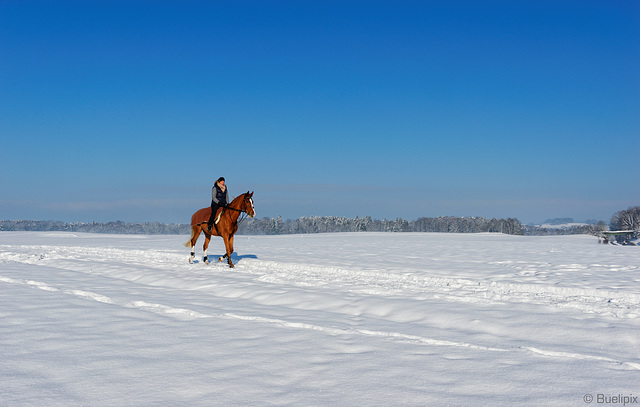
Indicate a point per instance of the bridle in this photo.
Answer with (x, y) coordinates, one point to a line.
(243, 212)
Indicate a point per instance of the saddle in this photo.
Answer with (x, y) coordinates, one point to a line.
(220, 212)
(217, 219)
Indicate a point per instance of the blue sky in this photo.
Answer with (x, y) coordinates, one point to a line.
(129, 110)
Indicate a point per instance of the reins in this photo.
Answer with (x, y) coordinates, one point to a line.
(243, 214)
(242, 217)
(234, 209)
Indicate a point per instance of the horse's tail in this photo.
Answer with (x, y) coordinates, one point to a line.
(193, 232)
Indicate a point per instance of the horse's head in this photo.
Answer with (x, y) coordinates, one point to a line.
(247, 204)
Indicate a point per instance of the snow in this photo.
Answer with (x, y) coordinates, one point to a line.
(348, 319)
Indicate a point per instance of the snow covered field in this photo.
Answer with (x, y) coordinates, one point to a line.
(352, 319)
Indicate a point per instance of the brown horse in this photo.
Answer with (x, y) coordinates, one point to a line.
(226, 227)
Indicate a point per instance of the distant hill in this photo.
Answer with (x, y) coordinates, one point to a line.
(558, 221)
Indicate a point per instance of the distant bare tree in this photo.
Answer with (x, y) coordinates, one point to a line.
(626, 220)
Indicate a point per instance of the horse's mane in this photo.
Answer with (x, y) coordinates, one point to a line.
(237, 198)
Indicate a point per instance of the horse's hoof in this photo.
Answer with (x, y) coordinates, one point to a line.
(231, 266)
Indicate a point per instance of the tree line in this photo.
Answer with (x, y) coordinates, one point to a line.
(628, 219)
(278, 226)
(117, 227)
(332, 224)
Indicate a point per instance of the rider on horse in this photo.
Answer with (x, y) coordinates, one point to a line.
(219, 199)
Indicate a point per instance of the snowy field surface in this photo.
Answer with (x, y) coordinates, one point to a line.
(350, 319)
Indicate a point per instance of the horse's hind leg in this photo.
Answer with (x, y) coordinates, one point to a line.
(195, 233)
(207, 239)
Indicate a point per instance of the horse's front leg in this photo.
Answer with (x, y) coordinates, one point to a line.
(231, 243)
(229, 249)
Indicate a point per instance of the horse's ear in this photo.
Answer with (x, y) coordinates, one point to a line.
(251, 193)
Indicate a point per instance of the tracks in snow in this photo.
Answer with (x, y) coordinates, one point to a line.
(619, 304)
(173, 268)
(188, 315)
